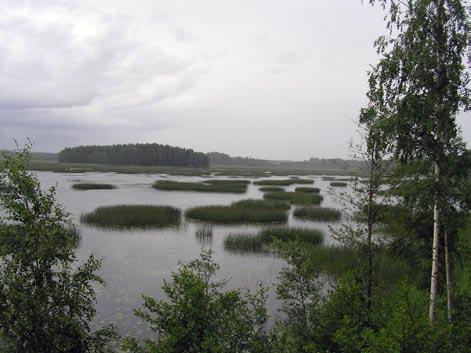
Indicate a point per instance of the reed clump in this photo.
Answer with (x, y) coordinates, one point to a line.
(262, 204)
(237, 214)
(92, 186)
(231, 186)
(283, 182)
(307, 189)
(296, 198)
(204, 234)
(338, 184)
(325, 214)
(271, 188)
(133, 216)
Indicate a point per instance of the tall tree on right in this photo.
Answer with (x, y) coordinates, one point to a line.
(417, 90)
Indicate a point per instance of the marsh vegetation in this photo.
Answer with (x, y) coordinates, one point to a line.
(283, 182)
(229, 186)
(338, 184)
(307, 189)
(271, 188)
(326, 214)
(295, 198)
(92, 186)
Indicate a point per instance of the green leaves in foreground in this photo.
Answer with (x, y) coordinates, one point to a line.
(200, 316)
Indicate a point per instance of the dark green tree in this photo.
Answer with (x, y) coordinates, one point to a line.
(46, 298)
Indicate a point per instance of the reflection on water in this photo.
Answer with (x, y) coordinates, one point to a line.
(137, 261)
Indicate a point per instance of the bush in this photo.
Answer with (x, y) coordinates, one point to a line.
(133, 216)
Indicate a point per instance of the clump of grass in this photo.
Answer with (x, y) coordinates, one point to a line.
(283, 182)
(133, 216)
(271, 188)
(227, 181)
(225, 187)
(307, 189)
(297, 198)
(204, 234)
(338, 184)
(318, 213)
(262, 241)
(234, 214)
(328, 178)
(92, 186)
(262, 204)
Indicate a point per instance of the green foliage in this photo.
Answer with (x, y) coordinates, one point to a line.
(47, 299)
(338, 184)
(148, 154)
(262, 204)
(234, 214)
(130, 216)
(283, 182)
(263, 241)
(92, 186)
(271, 188)
(200, 317)
(207, 186)
(307, 189)
(318, 213)
(297, 198)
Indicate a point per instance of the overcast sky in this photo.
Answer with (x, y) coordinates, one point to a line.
(276, 79)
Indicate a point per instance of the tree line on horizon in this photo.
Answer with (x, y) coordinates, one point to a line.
(149, 154)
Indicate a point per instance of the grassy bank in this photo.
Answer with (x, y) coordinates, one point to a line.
(261, 242)
(224, 187)
(271, 188)
(133, 216)
(234, 214)
(283, 182)
(296, 198)
(92, 186)
(307, 189)
(318, 213)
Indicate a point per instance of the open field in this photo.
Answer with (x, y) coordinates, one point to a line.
(92, 186)
(133, 216)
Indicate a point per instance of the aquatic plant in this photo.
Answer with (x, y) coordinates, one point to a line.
(223, 187)
(297, 198)
(204, 233)
(271, 188)
(234, 214)
(318, 213)
(307, 189)
(133, 216)
(338, 184)
(262, 204)
(283, 182)
(92, 186)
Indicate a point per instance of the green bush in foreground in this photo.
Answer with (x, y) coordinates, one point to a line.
(283, 182)
(271, 188)
(262, 241)
(92, 186)
(215, 186)
(318, 213)
(297, 198)
(307, 189)
(133, 216)
(233, 214)
(338, 184)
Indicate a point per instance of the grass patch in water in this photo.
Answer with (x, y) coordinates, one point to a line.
(227, 181)
(92, 186)
(233, 214)
(283, 182)
(338, 184)
(318, 213)
(297, 198)
(261, 242)
(271, 188)
(224, 187)
(307, 189)
(262, 204)
(204, 234)
(133, 216)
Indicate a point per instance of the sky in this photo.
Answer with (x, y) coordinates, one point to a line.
(273, 79)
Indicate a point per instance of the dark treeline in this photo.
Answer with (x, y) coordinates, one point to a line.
(149, 154)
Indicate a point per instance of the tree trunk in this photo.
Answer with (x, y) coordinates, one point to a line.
(435, 253)
(449, 304)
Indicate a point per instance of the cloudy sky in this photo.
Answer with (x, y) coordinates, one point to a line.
(277, 79)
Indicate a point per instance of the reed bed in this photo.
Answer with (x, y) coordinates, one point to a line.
(283, 182)
(227, 181)
(325, 214)
(133, 216)
(338, 184)
(204, 234)
(262, 241)
(296, 198)
(307, 189)
(225, 187)
(262, 204)
(271, 188)
(234, 214)
(92, 186)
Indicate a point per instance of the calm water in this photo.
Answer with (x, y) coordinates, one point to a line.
(136, 262)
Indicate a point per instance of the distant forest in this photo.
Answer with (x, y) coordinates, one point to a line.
(150, 154)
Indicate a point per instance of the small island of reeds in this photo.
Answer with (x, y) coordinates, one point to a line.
(296, 198)
(338, 184)
(92, 186)
(215, 185)
(271, 188)
(307, 189)
(133, 216)
(245, 211)
(283, 182)
(262, 241)
(326, 214)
